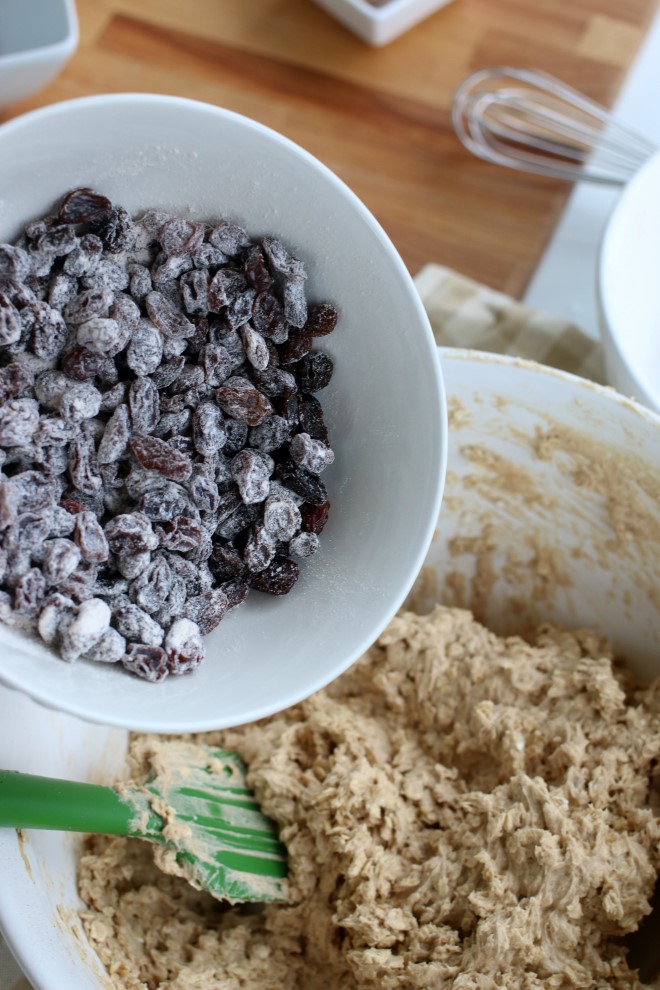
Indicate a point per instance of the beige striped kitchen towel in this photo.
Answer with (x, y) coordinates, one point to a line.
(464, 313)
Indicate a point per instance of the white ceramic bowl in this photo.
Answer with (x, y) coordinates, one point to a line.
(37, 39)
(385, 406)
(628, 288)
(524, 536)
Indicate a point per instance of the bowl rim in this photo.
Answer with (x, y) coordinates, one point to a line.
(438, 410)
(607, 392)
(611, 336)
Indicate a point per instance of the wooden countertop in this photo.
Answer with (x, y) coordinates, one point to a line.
(380, 118)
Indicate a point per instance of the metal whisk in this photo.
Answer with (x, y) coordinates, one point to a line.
(530, 121)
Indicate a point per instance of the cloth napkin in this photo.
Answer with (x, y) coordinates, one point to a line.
(464, 313)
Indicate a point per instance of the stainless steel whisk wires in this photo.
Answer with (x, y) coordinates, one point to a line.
(530, 121)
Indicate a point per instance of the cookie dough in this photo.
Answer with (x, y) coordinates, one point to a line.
(461, 811)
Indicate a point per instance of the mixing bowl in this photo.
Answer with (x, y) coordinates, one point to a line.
(384, 407)
(551, 513)
(628, 296)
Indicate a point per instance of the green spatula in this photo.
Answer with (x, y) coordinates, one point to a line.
(221, 840)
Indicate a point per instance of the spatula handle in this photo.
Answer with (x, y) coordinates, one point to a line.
(28, 801)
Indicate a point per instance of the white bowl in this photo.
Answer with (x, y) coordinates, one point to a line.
(385, 406)
(628, 290)
(523, 538)
(37, 39)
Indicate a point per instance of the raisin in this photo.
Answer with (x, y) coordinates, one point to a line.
(241, 400)
(148, 662)
(91, 622)
(250, 472)
(255, 269)
(62, 556)
(84, 259)
(281, 261)
(164, 504)
(208, 428)
(182, 534)
(83, 466)
(268, 316)
(315, 371)
(157, 455)
(259, 549)
(313, 455)
(15, 379)
(81, 364)
(302, 482)
(314, 517)
(184, 647)
(130, 565)
(194, 287)
(57, 241)
(295, 303)
(110, 648)
(56, 612)
(296, 347)
(180, 236)
(47, 329)
(19, 419)
(256, 350)
(84, 205)
(90, 538)
(310, 414)
(11, 325)
(29, 592)
(217, 363)
(168, 372)
(236, 591)
(14, 262)
(278, 578)
(136, 625)
(228, 237)
(151, 588)
(207, 609)
(101, 334)
(143, 405)
(115, 229)
(88, 303)
(80, 401)
(130, 533)
(304, 544)
(115, 437)
(270, 435)
(226, 562)
(274, 382)
(282, 517)
(224, 288)
(170, 321)
(322, 319)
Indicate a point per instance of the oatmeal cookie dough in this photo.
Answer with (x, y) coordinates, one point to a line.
(461, 811)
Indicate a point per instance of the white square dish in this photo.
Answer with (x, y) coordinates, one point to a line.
(37, 39)
(378, 23)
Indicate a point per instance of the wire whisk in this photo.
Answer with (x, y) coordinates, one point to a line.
(530, 121)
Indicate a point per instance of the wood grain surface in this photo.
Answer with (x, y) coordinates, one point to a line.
(380, 118)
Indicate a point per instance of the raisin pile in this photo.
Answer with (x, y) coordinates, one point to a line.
(161, 442)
